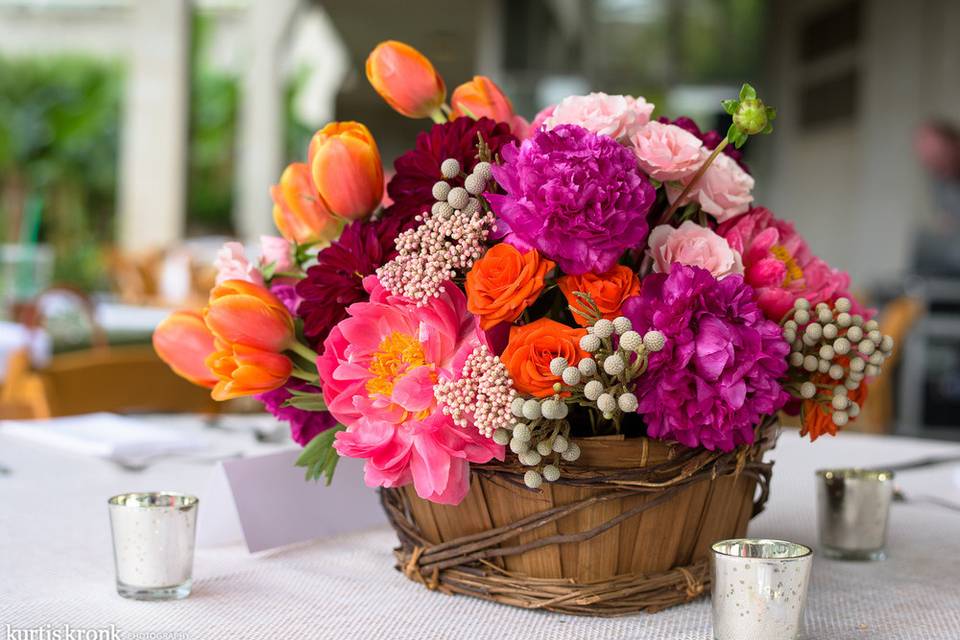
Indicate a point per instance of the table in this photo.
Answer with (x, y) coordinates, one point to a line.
(56, 564)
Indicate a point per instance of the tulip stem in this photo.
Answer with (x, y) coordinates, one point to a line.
(304, 375)
(303, 350)
(438, 116)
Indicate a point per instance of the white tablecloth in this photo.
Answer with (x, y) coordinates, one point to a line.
(56, 566)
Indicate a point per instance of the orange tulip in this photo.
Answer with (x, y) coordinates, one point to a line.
(246, 371)
(406, 79)
(183, 341)
(243, 313)
(345, 165)
(298, 212)
(481, 98)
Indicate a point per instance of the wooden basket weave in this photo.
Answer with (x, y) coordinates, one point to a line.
(627, 528)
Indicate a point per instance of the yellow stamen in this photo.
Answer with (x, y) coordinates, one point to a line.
(794, 272)
(397, 354)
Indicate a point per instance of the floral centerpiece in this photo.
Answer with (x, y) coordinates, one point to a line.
(519, 288)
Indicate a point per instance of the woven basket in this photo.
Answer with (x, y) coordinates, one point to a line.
(627, 528)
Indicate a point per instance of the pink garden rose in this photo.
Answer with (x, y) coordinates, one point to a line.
(614, 116)
(278, 251)
(778, 264)
(667, 152)
(692, 245)
(723, 191)
(378, 369)
(232, 264)
(538, 121)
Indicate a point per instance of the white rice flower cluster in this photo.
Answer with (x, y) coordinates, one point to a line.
(829, 343)
(540, 436)
(481, 396)
(448, 240)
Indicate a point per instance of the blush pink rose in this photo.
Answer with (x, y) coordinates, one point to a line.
(667, 152)
(278, 251)
(724, 190)
(614, 116)
(232, 264)
(692, 245)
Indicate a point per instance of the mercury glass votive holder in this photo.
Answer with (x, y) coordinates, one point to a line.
(853, 507)
(759, 589)
(153, 542)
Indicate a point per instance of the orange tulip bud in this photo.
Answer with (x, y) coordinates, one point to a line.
(298, 211)
(183, 341)
(243, 313)
(406, 79)
(246, 371)
(345, 165)
(481, 98)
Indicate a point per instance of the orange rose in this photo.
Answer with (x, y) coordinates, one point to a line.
(504, 282)
(609, 291)
(532, 347)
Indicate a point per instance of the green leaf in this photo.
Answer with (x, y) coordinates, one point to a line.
(319, 457)
(747, 92)
(768, 128)
(733, 132)
(312, 402)
(268, 270)
(771, 113)
(741, 139)
(730, 106)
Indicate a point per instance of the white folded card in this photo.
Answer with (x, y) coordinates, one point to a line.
(266, 502)
(106, 435)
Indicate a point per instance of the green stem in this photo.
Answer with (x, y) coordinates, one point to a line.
(303, 350)
(304, 375)
(438, 116)
(696, 178)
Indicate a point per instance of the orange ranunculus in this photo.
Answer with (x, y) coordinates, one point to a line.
(504, 282)
(345, 166)
(481, 98)
(532, 347)
(183, 341)
(244, 313)
(609, 291)
(406, 79)
(246, 371)
(298, 212)
(818, 418)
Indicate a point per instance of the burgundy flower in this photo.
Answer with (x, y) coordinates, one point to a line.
(304, 425)
(710, 138)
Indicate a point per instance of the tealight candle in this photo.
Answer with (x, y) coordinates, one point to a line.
(153, 541)
(853, 509)
(759, 589)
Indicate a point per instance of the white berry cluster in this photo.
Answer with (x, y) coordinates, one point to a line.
(832, 351)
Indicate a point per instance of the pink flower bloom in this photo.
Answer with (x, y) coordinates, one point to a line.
(724, 190)
(779, 265)
(379, 367)
(278, 251)
(614, 116)
(538, 121)
(232, 264)
(692, 245)
(667, 152)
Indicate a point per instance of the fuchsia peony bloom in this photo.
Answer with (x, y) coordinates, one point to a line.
(719, 372)
(667, 152)
(779, 265)
(379, 368)
(232, 264)
(578, 197)
(614, 116)
(692, 245)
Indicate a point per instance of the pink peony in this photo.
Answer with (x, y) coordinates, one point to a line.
(378, 369)
(232, 264)
(277, 251)
(538, 120)
(779, 265)
(667, 152)
(692, 245)
(724, 190)
(614, 116)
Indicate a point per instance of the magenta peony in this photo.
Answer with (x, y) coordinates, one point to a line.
(304, 425)
(578, 197)
(614, 116)
(718, 375)
(692, 245)
(378, 369)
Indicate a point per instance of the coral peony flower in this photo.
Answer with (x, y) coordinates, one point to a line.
(278, 252)
(667, 152)
(183, 341)
(304, 425)
(719, 372)
(724, 190)
(417, 170)
(576, 196)
(336, 281)
(609, 290)
(345, 166)
(245, 371)
(779, 264)
(298, 213)
(247, 314)
(481, 98)
(378, 369)
(503, 283)
(709, 138)
(232, 264)
(406, 79)
(614, 116)
(532, 347)
(693, 245)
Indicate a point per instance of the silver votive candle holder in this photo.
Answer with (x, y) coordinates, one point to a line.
(759, 589)
(153, 541)
(853, 507)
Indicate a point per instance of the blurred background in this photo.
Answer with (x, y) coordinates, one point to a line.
(137, 135)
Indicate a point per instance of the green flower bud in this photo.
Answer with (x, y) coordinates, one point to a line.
(751, 116)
